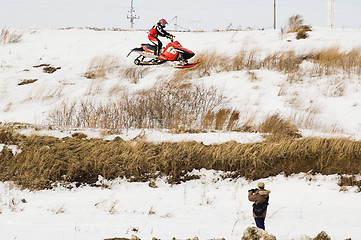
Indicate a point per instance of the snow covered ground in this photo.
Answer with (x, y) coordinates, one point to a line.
(73, 50)
(206, 208)
(209, 207)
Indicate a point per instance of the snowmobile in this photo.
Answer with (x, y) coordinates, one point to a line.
(173, 52)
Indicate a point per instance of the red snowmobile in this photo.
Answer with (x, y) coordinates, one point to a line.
(173, 52)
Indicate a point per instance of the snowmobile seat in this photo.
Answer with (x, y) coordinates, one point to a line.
(149, 46)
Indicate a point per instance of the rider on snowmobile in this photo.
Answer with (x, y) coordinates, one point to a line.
(158, 30)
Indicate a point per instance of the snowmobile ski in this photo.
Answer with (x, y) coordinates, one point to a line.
(187, 65)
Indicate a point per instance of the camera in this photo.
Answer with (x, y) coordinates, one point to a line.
(253, 190)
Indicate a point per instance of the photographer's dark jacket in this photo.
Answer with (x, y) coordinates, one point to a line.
(259, 196)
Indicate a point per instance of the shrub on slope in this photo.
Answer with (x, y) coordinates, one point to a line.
(170, 105)
(8, 37)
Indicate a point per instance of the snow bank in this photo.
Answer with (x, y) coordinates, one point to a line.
(210, 207)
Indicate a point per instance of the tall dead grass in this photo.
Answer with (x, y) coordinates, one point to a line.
(167, 105)
(213, 62)
(101, 65)
(328, 61)
(45, 161)
(9, 37)
(286, 62)
(333, 60)
(295, 25)
(278, 127)
(7, 135)
(133, 73)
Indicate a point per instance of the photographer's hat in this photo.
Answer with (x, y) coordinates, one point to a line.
(260, 185)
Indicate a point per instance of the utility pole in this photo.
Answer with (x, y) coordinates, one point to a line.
(175, 22)
(274, 14)
(331, 13)
(132, 15)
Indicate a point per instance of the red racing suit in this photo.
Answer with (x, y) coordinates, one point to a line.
(157, 30)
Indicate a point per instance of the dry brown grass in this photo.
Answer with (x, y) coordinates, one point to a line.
(328, 61)
(208, 62)
(213, 62)
(285, 62)
(246, 60)
(294, 23)
(170, 105)
(208, 120)
(45, 161)
(221, 118)
(252, 76)
(134, 73)
(354, 60)
(7, 135)
(9, 37)
(332, 60)
(346, 181)
(101, 65)
(307, 120)
(233, 121)
(335, 87)
(116, 90)
(301, 34)
(278, 126)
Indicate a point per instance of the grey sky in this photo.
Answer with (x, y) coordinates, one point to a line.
(192, 14)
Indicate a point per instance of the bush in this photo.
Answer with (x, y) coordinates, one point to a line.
(169, 105)
(8, 37)
(301, 35)
(294, 23)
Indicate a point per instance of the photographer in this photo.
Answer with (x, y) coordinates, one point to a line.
(260, 197)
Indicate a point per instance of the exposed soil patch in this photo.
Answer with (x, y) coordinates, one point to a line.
(50, 69)
(27, 81)
(47, 68)
(42, 65)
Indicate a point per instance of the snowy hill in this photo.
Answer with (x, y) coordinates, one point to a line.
(210, 207)
(73, 51)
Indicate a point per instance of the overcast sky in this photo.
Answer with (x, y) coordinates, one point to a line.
(191, 14)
